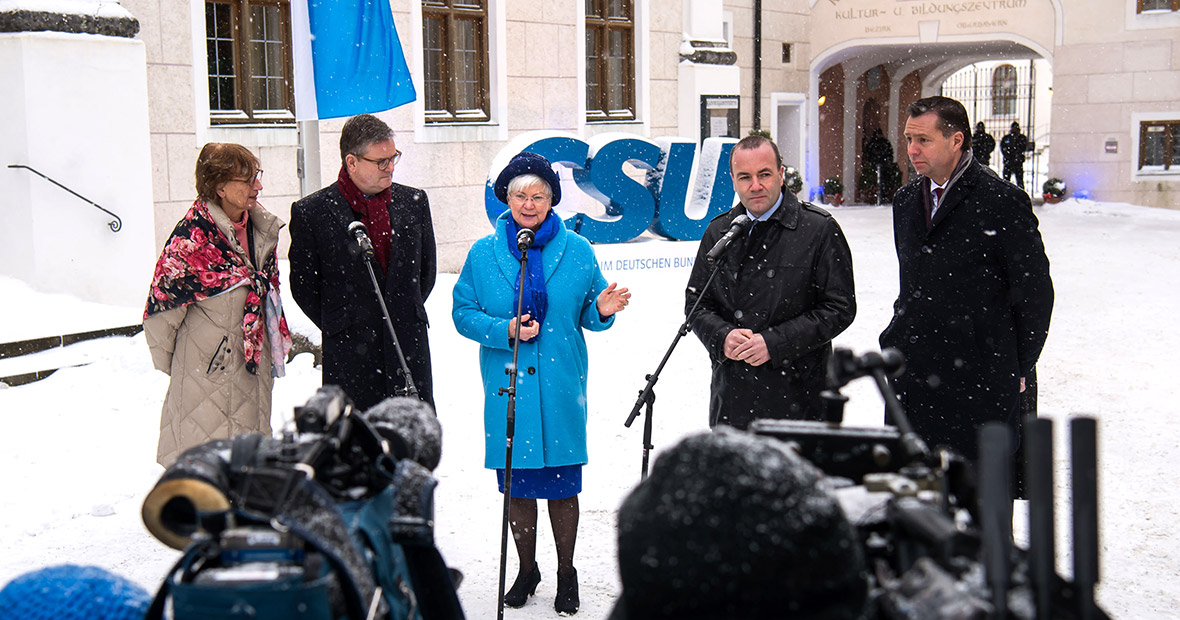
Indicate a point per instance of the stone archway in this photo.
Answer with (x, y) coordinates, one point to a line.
(867, 84)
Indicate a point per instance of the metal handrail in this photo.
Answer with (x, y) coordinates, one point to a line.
(115, 225)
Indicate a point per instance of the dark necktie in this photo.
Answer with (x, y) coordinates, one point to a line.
(757, 236)
(937, 200)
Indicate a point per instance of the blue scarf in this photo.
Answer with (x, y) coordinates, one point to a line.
(536, 298)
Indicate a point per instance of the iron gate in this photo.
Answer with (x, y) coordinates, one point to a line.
(998, 95)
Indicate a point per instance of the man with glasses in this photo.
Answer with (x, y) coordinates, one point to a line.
(331, 284)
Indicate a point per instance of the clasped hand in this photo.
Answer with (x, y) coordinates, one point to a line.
(744, 345)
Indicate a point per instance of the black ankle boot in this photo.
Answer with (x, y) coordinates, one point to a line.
(524, 587)
(567, 601)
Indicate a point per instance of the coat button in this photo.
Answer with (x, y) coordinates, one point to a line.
(917, 294)
(532, 371)
(913, 339)
(927, 249)
(770, 273)
(738, 314)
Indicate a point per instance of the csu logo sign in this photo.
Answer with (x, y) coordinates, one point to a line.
(670, 201)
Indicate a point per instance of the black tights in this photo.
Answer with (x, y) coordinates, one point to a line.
(563, 516)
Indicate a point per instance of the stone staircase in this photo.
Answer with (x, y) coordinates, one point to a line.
(14, 372)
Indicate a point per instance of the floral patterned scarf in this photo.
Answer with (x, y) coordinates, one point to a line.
(199, 262)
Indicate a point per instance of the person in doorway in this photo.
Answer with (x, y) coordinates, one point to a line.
(329, 280)
(879, 155)
(563, 292)
(974, 295)
(1012, 148)
(784, 290)
(214, 320)
(982, 144)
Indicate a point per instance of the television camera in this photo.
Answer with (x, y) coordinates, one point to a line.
(936, 530)
(333, 520)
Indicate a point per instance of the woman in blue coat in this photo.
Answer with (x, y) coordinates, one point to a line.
(564, 293)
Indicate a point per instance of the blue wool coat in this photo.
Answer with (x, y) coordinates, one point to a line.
(551, 379)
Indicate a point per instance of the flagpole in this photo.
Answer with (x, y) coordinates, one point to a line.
(309, 157)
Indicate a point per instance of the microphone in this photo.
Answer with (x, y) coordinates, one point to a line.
(736, 227)
(361, 234)
(524, 239)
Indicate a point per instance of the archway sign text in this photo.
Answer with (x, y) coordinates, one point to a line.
(662, 203)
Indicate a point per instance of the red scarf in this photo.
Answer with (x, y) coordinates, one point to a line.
(374, 212)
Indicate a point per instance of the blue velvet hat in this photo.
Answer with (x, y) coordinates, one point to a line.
(527, 163)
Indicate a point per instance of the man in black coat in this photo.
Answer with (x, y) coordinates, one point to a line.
(331, 284)
(975, 295)
(879, 154)
(1012, 148)
(783, 291)
(982, 144)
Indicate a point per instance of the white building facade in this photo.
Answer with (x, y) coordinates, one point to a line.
(822, 76)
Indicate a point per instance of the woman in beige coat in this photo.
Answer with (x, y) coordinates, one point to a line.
(214, 321)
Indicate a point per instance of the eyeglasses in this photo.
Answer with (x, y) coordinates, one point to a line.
(251, 180)
(384, 164)
(538, 199)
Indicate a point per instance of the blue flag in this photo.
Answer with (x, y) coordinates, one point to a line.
(348, 59)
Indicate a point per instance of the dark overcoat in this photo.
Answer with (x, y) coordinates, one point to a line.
(795, 287)
(982, 144)
(1012, 147)
(973, 306)
(332, 286)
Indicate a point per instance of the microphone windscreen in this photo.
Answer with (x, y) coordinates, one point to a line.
(412, 423)
(524, 239)
(744, 515)
(740, 223)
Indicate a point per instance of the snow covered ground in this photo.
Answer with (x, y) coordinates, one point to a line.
(77, 450)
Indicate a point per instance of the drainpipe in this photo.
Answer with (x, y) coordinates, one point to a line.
(757, 64)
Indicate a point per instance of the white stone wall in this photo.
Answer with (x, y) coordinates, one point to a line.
(1107, 80)
(537, 82)
(75, 108)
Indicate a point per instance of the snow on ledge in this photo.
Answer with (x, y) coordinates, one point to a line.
(108, 9)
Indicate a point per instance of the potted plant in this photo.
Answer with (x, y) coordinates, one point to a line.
(834, 191)
(793, 180)
(1053, 191)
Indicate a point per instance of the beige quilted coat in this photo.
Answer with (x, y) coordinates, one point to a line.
(211, 395)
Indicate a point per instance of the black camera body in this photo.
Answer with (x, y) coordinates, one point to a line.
(935, 529)
(332, 520)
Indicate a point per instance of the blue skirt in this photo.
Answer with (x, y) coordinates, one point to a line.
(545, 483)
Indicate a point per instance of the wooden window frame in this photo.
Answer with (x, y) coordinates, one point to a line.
(243, 52)
(597, 109)
(1171, 136)
(1139, 6)
(452, 12)
(1004, 100)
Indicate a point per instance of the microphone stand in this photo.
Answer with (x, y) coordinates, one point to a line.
(408, 389)
(647, 396)
(510, 432)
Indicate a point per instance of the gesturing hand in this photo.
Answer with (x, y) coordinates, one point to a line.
(612, 300)
(529, 328)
